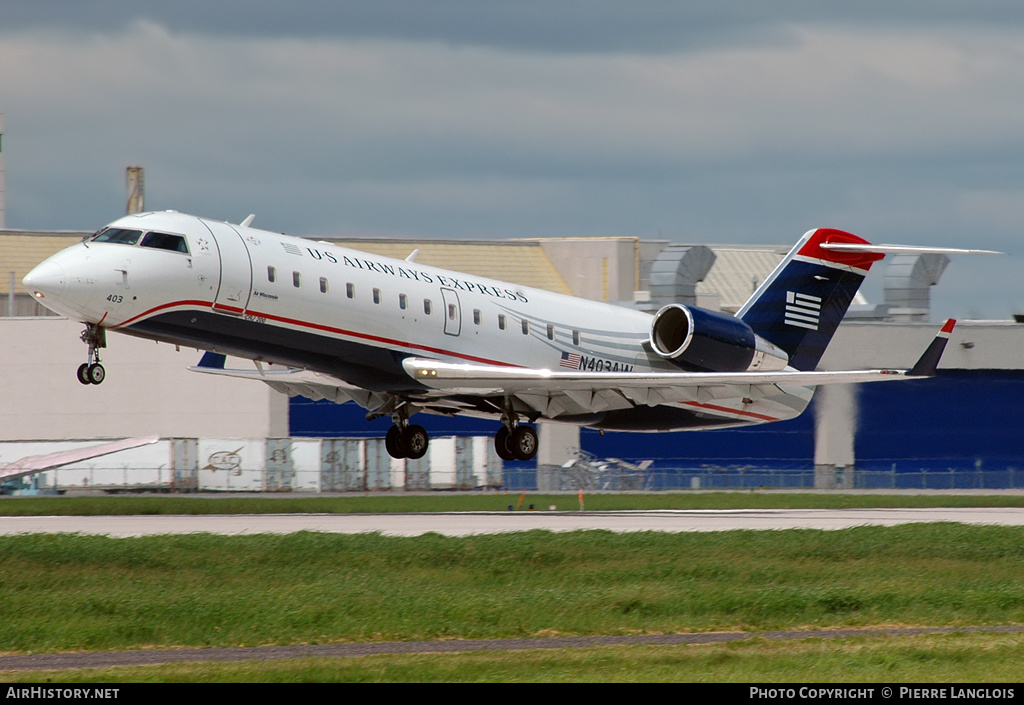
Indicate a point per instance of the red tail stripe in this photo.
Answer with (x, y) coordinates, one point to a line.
(860, 260)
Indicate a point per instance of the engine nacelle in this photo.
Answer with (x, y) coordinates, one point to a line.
(697, 339)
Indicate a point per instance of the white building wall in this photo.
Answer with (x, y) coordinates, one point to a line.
(601, 269)
(3, 187)
(148, 390)
(973, 345)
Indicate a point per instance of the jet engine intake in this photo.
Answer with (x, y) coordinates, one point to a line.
(702, 340)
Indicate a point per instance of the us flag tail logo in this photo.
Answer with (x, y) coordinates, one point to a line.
(803, 310)
(570, 361)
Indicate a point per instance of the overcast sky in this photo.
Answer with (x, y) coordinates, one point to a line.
(739, 121)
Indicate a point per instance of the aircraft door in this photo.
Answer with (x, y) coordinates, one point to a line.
(452, 312)
(235, 285)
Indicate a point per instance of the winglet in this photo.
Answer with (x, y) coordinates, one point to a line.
(929, 362)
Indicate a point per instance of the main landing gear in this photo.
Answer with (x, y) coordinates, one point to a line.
(409, 442)
(512, 441)
(92, 372)
(404, 440)
(518, 444)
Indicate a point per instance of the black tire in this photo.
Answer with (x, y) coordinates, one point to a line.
(415, 441)
(83, 373)
(502, 446)
(523, 443)
(394, 444)
(96, 373)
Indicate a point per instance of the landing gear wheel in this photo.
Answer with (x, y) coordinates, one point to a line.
(394, 443)
(92, 372)
(96, 373)
(502, 445)
(523, 443)
(416, 442)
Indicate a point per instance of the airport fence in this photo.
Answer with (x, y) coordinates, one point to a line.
(653, 479)
(460, 463)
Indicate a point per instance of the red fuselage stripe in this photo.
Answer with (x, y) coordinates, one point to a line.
(727, 410)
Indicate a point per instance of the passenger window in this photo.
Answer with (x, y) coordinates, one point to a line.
(576, 337)
(551, 332)
(451, 312)
(295, 279)
(376, 296)
(120, 236)
(501, 321)
(403, 301)
(427, 306)
(476, 316)
(323, 285)
(165, 241)
(271, 274)
(526, 327)
(350, 290)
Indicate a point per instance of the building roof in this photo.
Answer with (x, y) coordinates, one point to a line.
(737, 272)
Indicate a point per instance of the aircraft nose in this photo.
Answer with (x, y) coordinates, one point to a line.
(46, 281)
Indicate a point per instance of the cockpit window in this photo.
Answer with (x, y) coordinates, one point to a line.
(165, 241)
(121, 236)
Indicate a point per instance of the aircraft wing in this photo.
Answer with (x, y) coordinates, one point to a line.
(554, 392)
(48, 461)
(292, 381)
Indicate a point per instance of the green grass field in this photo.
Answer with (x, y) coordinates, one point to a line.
(484, 501)
(71, 592)
(86, 593)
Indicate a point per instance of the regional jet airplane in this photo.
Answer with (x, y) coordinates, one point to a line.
(400, 338)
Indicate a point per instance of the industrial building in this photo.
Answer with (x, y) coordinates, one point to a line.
(961, 427)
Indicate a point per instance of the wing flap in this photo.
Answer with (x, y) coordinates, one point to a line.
(580, 386)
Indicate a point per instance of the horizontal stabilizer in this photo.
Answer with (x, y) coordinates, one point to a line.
(929, 361)
(901, 249)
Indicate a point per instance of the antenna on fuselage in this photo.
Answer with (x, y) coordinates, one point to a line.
(248, 221)
(412, 255)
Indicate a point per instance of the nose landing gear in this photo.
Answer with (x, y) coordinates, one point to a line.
(92, 372)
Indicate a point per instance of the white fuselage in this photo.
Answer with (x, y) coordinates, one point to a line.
(352, 315)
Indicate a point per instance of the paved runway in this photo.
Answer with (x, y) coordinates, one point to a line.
(469, 523)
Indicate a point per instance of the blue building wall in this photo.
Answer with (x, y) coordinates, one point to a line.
(963, 420)
(960, 419)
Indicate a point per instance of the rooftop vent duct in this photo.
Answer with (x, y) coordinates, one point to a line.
(676, 271)
(908, 279)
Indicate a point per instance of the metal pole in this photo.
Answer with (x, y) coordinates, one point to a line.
(10, 296)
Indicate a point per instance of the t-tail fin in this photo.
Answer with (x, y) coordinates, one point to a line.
(799, 307)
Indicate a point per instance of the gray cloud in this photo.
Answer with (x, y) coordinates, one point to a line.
(900, 130)
(535, 25)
